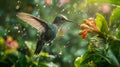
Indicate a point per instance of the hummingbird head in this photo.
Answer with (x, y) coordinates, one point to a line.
(60, 19)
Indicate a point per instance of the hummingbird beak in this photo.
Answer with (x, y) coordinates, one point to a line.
(68, 20)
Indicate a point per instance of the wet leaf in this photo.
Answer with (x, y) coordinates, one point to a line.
(22, 61)
(115, 50)
(2, 43)
(100, 1)
(113, 59)
(78, 62)
(115, 19)
(115, 2)
(101, 23)
(118, 33)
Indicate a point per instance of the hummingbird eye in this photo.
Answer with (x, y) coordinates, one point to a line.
(62, 18)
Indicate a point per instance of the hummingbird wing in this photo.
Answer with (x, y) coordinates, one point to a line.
(36, 23)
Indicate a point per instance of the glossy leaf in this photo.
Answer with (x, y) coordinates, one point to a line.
(81, 61)
(115, 2)
(115, 18)
(78, 62)
(22, 61)
(118, 33)
(92, 59)
(113, 59)
(101, 23)
(115, 48)
(98, 1)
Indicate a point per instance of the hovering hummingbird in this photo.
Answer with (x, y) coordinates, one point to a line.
(47, 30)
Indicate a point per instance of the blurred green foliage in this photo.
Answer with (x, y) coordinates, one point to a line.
(68, 44)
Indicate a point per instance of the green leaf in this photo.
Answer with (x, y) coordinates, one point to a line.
(22, 61)
(115, 48)
(115, 19)
(118, 32)
(98, 1)
(78, 62)
(101, 23)
(2, 43)
(92, 59)
(113, 58)
(115, 2)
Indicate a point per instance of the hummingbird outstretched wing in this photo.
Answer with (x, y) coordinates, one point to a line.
(36, 23)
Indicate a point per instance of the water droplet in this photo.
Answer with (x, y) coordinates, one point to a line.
(60, 52)
(16, 27)
(8, 31)
(47, 44)
(95, 4)
(37, 13)
(18, 1)
(117, 30)
(68, 12)
(24, 29)
(18, 6)
(51, 64)
(63, 10)
(38, 16)
(18, 31)
(64, 46)
(44, 6)
(5, 34)
(37, 5)
(74, 5)
(26, 42)
(37, 34)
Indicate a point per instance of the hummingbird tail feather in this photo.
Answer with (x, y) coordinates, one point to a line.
(39, 46)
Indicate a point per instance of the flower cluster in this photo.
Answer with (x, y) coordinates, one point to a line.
(90, 26)
(10, 43)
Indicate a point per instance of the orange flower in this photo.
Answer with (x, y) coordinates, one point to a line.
(89, 26)
(83, 33)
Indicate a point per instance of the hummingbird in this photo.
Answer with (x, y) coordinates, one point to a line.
(47, 30)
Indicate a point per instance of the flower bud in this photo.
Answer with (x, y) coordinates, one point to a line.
(88, 22)
(84, 26)
(84, 34)
(91, 19)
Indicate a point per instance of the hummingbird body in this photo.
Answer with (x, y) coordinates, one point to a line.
(46, 37)
(50, 33)
(48, 30)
